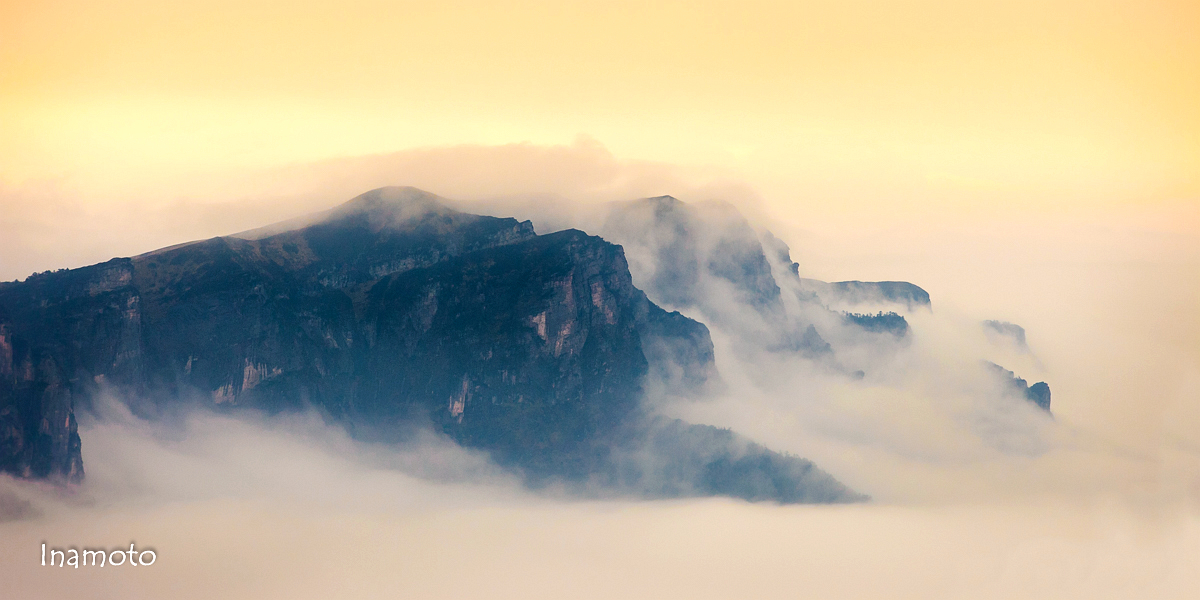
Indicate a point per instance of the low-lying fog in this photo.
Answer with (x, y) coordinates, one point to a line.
(1101, 502)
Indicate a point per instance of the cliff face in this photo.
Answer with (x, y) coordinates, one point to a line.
(389, 311)
(706, 257)
(58, 332)
(1038, 393)
(871, 293)
(686, 248)
(539, 363)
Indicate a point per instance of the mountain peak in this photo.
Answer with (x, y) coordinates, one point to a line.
(662, 204)
(393, 205)
(393, 195)
(383, 207)
(664, 200)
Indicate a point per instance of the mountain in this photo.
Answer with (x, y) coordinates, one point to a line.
(692, 250)
(38, 433)
(874, 293)
(1038, 393)
(389, 312)
(1012, 333)
(706, 257)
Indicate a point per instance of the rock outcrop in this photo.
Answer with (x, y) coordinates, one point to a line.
(880, 322)
(1011, 334)
(1038, 393)
(686, 249)
(867, 293)
(707, 258)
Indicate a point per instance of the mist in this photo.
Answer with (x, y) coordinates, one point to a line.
(975, 494)
(258, 507)
(75, 221)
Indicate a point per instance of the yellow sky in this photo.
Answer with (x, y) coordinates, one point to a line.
(1048, 101)
(997, 112)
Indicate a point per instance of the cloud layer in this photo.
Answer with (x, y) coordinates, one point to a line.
(972, 498)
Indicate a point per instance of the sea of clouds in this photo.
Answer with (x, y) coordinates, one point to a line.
(972, 497)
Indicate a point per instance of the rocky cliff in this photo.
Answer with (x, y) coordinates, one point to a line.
(60, 333)
(389, 312)
(707, 258)
(1038, 393)
(869, 293)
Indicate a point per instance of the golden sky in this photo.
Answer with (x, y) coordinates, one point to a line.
(1036, 102)
(1062, 138)
(1077, 120)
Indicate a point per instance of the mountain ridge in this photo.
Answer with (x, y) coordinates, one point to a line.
(388, 308)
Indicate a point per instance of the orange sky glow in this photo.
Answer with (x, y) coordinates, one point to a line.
(1032, 161)
(1026, 104)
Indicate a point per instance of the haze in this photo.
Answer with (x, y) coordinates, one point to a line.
(1034, 162)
